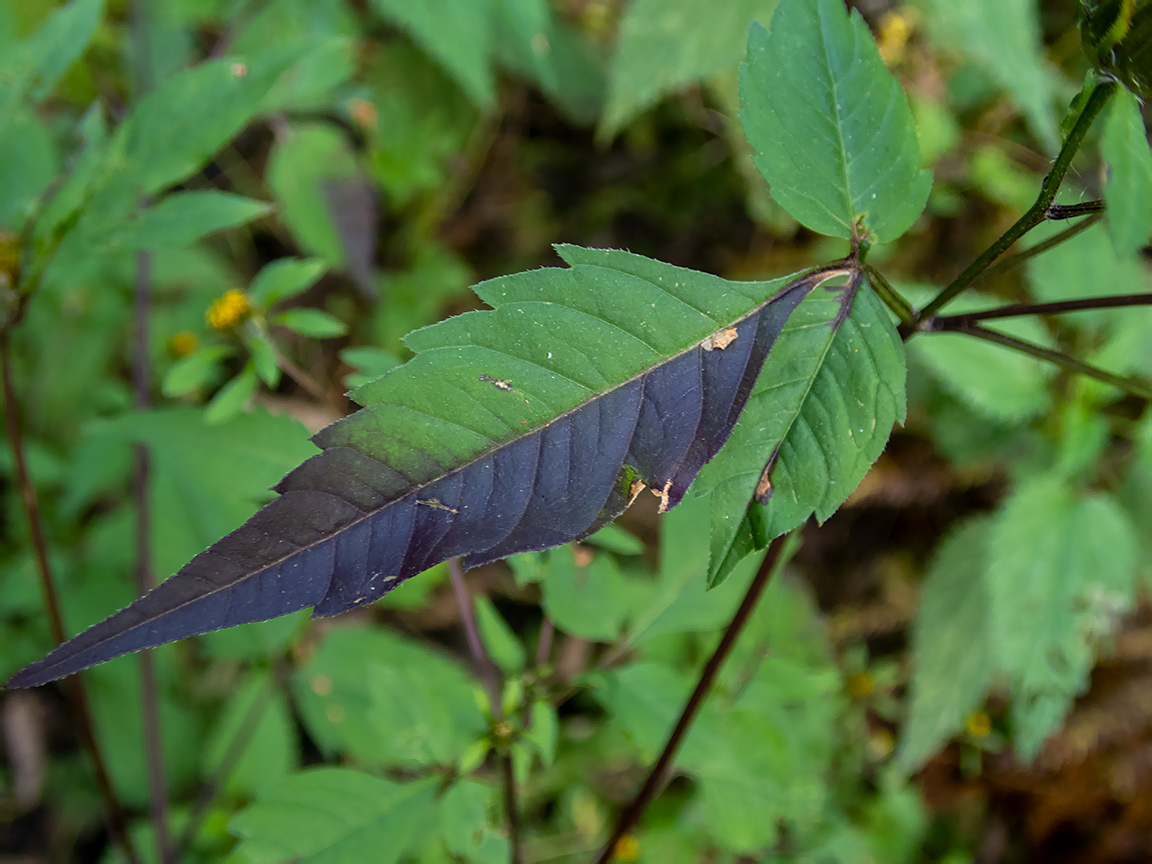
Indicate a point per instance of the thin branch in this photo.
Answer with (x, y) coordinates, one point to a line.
(1071, 211)
(948, 323)
(1019, 258)
(1128, 385)
(1036, 214)
(891, 297)
(302, 378)
(656, 775)
(117, 821)
(145, 579)
(489, 674)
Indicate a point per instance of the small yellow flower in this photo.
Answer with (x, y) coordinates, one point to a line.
(979, 724)
(860, 685)
(229, 310)
(627, 848)
(895, 29)
(183, 343)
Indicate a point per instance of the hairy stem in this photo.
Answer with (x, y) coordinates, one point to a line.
(1128, 385)
(145, 579)
(117, 821)
(489, 674)
(1071, 211)
(659, 770)
(1036, 214)
(952, 323)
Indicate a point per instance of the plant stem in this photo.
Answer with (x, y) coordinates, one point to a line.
(1071, 211)
(1019, 258)
(1036, 214)
(489, 674)
(949, 323)
(1128, 385)
(656, 774)
(892, 299)
(150, 707)
(117, 821)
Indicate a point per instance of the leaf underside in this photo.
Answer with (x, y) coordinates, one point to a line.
(511, 430)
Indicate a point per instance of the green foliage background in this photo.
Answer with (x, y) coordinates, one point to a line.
(309, 181)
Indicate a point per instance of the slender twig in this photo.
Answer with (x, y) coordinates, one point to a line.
(488, 673)
(228, 762)
(1019, 258)
(946, 323)
(302, 378)
(117, 821)
(891, 297)
(1071, 211)
(1128, 385)
(1036, 214)
(145, 579)
(656, 775)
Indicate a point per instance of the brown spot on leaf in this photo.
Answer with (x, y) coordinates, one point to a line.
(662, 494)
(635, 489)
(764, 487)
(720, 340)
(498, 383)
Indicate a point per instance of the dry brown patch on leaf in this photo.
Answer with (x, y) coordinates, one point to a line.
(720, 340)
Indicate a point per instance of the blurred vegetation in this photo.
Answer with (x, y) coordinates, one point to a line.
(301, 182)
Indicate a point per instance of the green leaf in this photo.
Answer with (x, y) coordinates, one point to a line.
(831, 127)
(370, 364)
(424, 121)
(1001, 384)
(196, 371)
(82, 176)
(1061, 568)
(387, 701)
(336, 815)
(271, 752)
(184, 218)
(953, 658)
(457, 33)
(591, 380)
(1128, 190)
(177, 127)
(465, 825)
(584, 597)
(1003, 37)
(39, 61)
(264, 359)
(665, 45)
(502, 644)
(234, 396)
(302, 161)
(820, 415)
(284, 278)
(29, 159)
(310, 322)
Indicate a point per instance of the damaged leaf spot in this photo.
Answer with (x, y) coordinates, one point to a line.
(764, 487)
(720, 340)
(498, 383)
(635, 489)
(436, 504)
(662, 494)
